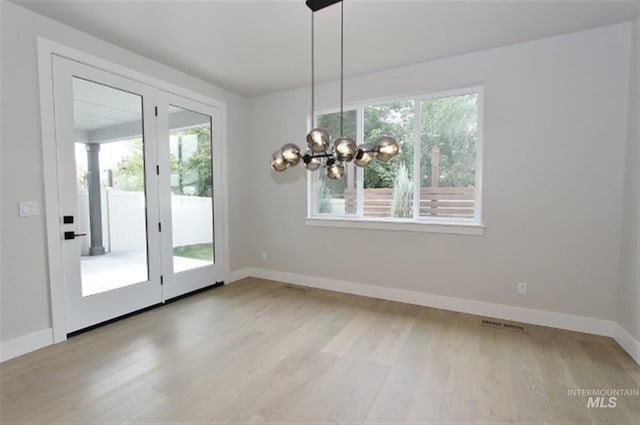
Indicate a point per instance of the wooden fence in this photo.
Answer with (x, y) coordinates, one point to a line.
(434, 202)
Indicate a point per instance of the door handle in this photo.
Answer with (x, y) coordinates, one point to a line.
(72, 235)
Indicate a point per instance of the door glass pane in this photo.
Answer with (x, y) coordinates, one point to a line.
(109, 154)
(191, 189)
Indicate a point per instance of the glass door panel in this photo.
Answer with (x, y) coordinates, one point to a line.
(106, 145)
(191, 179)
(190, 194)
(109, 157)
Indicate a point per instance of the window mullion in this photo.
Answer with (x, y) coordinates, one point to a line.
(417, 150)
(477, 212)
(312, 178)
(360, 171)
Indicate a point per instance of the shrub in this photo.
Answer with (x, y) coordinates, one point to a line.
(402, 194)
(324, 198)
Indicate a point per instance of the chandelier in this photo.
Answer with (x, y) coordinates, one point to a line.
(320, 153)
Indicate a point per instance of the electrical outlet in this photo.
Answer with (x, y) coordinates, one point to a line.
(263, 256)
(522, 288)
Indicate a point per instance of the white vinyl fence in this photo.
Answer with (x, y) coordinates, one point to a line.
(192, 220)
(123, 218)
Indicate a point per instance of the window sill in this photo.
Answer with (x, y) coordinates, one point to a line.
(452, 228)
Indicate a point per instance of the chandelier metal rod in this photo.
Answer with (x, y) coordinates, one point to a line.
(342, 68)
(313, 118)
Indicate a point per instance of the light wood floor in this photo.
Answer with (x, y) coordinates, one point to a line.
(265, 352)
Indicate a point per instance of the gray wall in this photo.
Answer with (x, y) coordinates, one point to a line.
(24, 289)
(555, 136)
(629, 289)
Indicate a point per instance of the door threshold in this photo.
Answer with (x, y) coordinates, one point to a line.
(194, 292)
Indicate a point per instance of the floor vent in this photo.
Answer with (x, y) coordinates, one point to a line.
(502, 325)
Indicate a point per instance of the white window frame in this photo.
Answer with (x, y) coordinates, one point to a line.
(452, 225)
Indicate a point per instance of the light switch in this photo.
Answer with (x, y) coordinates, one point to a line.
(28, 209)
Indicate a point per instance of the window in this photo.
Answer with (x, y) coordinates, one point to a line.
(434, 180)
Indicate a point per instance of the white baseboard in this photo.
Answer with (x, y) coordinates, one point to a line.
(501, 311)
(239, 274)
(25, 344)
(627, 342)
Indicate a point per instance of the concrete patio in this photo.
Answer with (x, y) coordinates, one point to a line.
(118, 269)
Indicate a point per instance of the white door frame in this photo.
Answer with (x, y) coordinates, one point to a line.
(46, 50)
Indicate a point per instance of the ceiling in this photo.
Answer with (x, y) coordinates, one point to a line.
(96, 106)
(258, 47)
(106, 114)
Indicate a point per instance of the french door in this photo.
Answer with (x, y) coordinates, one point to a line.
(138, 190)
(190, 161)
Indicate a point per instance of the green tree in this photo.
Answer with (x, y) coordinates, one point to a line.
(199, 164)
(195, 171)
(129, 175)
(397, 120)
(450, 123)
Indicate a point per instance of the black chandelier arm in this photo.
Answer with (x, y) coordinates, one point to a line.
(361, 152)
(308, 157)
